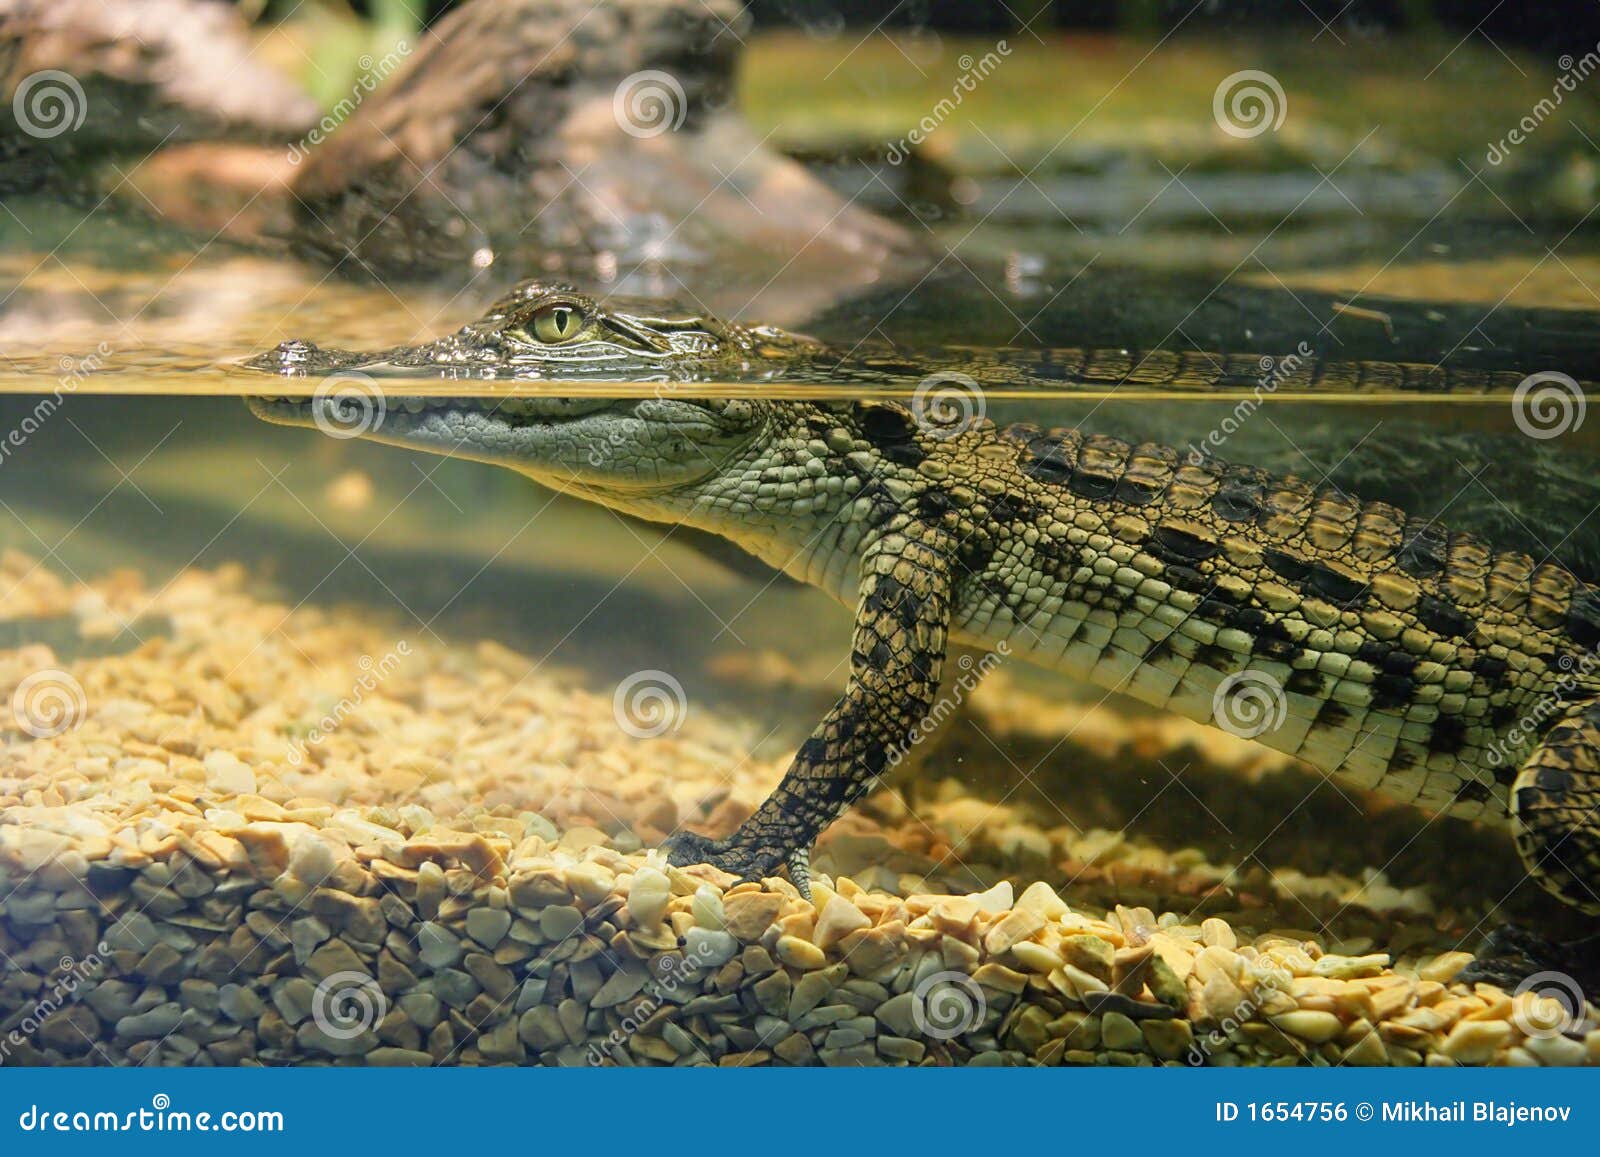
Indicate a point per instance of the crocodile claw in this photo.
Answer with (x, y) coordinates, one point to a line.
(740, 859)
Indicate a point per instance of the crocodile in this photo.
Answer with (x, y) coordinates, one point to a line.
(1379, 647)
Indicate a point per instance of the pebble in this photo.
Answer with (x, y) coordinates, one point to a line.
(839, 917)
(706, 907)
(152, 1025)
(798, 953)
(746, 915)
(437, 947)
(711, 949)
(488, 926)
(499, 936)
(648, 897)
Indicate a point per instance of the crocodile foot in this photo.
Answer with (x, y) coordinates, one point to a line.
(1517, 959)
(747, 861)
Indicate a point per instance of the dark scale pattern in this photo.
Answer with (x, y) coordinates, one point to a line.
(1404, 652)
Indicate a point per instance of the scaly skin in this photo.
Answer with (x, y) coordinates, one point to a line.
(1384, 650)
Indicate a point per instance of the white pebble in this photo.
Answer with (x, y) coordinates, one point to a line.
(648, 896)
(225, 771)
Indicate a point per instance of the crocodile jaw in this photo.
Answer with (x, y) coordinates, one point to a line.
(614, 450)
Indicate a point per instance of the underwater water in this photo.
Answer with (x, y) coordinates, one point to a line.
(325, 750)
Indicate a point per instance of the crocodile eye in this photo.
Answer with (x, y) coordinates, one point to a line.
(557, 323)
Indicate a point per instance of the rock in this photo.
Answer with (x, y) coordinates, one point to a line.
(1089, 953)
(391, 1058)
(74, 1030)
(1017, 925)
(1118, 1032)
(648, 897)
(559, 921)
(1474, 1042)
(305, 934)
(496, 979)
(798, 953)
(1445, 967)
(488, 926)
(838, 919)
(501, 1043)
(899, 1048)
(541, 1029)
(773, 991)
(812, 988)
(312, 860)
(899, 1014)
(424, 1008)
(996, 899)
(437, 946)
(621, 985)
(227, 774)
(1168, 1039)
(1041, 898)
(152, 1025)
(709, 949)
(294, 997)
(706, 907)
(334, 957)
(1309, 1025)
(749, 914)
(238, 1003)
(312, 1037)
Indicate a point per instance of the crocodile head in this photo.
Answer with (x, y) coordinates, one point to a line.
(616, 449)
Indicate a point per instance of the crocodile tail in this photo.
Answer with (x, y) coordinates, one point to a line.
(1555, 808)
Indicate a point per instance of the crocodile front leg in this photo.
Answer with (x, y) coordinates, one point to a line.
(896, 653)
